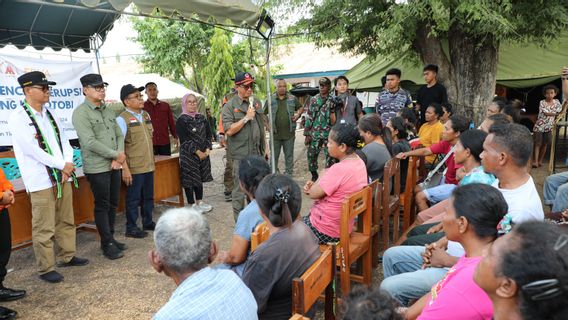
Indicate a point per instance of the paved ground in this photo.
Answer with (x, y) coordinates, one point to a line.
(128, 288)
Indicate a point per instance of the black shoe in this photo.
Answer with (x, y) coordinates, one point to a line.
(6, 313)
(150, 227)
(112, 252)
(314, 176)
(7, 294)
(74, 262)
(228, 196)
(51, 277)
(121, 246)
(136, 233)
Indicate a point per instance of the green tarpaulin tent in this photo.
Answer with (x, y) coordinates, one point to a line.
(520, 66)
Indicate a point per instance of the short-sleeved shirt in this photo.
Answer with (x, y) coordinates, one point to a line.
(443, 147)
(350, 111)
(269, 271)
(430, 134)
(524, 202)
(426, 95)
(318, 117)
(543, 122)
(377, 156)
(457, 296)
(338, 182)
(388, 104)
(248, 219)
(210, 294)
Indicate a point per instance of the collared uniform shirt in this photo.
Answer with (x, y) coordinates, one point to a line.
(162, 122)
(100, 137)
(31, 158)
(318, 117)
(122, 125)
(389, 104)
(210, 294)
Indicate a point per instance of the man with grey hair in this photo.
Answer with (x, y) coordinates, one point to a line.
(183, 251)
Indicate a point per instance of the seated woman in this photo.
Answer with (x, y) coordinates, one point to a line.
(287, 254)
(252, 170)
(473, 215)
(467, 152)
(342, 179)
(378, 144)
(364, 303)
(400, 144)
(525, 273)
(430, 131)
(447, 108)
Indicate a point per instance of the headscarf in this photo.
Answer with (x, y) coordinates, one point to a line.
(184, 105)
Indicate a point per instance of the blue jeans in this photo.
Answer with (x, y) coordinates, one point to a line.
(140, 194)
(405, 279)
(555, 191)
(439, 193)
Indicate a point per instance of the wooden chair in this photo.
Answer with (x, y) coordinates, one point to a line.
(356, 245)
(261, 233)
(317, 279)
(376, 220)
(390, 204)
(407, 197)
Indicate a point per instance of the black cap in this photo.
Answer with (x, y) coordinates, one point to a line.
(128, 89)
(93, 80)
(243, 77)
(34, 78)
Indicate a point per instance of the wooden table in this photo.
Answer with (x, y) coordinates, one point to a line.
(167, 184)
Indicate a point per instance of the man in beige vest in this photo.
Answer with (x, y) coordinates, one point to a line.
(138, 170)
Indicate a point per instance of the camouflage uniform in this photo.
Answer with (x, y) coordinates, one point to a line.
(317, 127)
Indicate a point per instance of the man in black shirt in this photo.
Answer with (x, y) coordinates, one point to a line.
(433, 91)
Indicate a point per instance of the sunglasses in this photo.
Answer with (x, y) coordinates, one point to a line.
(43, 88)
(247, 86)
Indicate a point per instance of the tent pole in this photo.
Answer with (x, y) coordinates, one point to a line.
(96, 44)
(269, 106)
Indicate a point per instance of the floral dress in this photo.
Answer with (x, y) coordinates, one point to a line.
(543, 122)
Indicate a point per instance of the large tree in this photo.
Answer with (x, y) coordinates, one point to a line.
(175, 49)
(421, 30)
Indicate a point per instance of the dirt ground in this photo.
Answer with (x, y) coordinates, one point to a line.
(129, 288)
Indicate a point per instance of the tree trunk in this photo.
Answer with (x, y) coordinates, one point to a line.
(474, 68)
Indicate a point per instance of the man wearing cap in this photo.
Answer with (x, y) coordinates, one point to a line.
(162, 121)
(320, 117)
(286, 110)
(45, 158)
(102, 149)
(243, 122)
(138, 170)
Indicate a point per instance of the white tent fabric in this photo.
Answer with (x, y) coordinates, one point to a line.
(167, 89)
(239, 12)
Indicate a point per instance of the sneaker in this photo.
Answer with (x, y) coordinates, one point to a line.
(74, 262)
(205, 207)
(51, 277)
(228, 196)
(197, 208)
(150, 227)
(136, 233)
(121, 246)
(112, 252)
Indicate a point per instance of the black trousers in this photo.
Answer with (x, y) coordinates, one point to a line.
(190, 191)
(5, 242)
(106, 191)
(164, 150)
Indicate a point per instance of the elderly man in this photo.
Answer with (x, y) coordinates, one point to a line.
(183, 251)
(45, 158)
(286, 110)
(243, 123)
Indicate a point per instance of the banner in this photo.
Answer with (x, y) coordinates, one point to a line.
(66, 95)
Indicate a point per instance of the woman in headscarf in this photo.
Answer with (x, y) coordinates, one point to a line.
(195, 144)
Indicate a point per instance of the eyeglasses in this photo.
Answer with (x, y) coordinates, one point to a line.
(138, 96)
(43, 88)
(99, 88)
(247, 86)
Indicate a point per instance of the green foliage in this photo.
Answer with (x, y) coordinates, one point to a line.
(174, 49)
(219, 70)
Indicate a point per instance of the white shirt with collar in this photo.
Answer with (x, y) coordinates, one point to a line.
(31, 158)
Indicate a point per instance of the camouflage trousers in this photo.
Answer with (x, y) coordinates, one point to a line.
(314, 149)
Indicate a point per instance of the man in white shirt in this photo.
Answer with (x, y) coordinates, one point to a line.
(45, 159)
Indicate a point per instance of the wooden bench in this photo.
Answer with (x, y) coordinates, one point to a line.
(319, 278)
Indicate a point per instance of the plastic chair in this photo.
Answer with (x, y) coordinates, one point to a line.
(11, 168)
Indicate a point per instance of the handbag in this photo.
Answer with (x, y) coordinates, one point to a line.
(435, 176)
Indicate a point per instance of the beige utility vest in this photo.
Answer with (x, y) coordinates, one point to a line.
(138, 143)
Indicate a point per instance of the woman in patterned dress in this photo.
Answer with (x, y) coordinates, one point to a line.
(195, 144)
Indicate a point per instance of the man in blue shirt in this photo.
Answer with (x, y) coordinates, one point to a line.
(393, 98)
(183, 251)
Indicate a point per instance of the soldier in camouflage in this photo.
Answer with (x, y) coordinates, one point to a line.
(320, 117)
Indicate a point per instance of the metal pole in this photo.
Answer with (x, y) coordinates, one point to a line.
(97, 55)
(269, 106)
